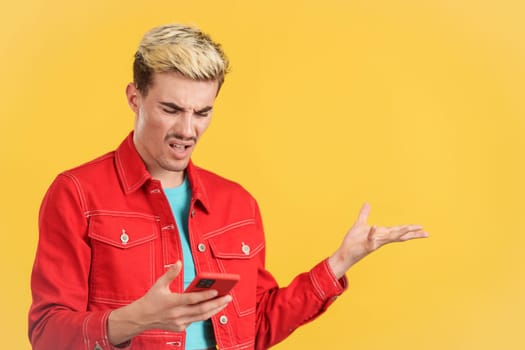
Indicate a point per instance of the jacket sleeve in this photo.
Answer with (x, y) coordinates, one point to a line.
(282, 310)
(58, 317)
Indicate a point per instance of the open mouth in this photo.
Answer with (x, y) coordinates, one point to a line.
(179, 146)
(181, 150)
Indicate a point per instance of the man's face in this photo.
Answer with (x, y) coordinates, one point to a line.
(169, 121)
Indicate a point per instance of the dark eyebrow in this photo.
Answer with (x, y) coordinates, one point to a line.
(172, 106)
(180, 109)
(204, 110)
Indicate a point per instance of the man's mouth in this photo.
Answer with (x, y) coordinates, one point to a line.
(179, 147)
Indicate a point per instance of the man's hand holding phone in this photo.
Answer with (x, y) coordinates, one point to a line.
(160, 308)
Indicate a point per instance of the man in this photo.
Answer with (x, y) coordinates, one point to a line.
(123, 235)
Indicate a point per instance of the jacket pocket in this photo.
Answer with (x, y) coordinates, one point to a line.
(238, 249)
(123, 256)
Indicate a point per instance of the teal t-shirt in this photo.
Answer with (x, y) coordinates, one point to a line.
(199, 335)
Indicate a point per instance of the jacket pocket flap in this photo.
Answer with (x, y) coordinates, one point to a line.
(241, 241)
(123, 230)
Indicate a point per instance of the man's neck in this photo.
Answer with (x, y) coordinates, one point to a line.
(170, 179)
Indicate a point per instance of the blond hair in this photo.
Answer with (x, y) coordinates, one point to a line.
(178, 48)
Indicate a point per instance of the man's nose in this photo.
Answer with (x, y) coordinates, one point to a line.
(185, 126)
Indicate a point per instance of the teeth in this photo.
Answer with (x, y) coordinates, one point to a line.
(178, 146)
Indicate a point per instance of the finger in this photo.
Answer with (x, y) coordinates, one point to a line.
(172, 272)
(371, 233)
(214, 311)
(206, 307)
(198, 297)
(396, 232)
(413, 235)
(413, 227)
(218, 303)
(201, 316)
(363, 214)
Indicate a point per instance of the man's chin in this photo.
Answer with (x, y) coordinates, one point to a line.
(178, 166)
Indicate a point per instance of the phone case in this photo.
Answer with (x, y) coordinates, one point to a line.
(221, 282)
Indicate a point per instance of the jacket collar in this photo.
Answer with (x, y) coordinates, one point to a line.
(133, 173)
(198, 189)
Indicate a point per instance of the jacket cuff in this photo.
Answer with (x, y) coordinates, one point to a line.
(95, 332)
(326, 285)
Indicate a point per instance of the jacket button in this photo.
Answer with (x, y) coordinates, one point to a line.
(192, 213)
(97, 347)
(124, 238)
(245, 249)
(201, 247)
(223, 319)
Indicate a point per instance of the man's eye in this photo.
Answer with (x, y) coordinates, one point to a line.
(203, 113)
(170, 111)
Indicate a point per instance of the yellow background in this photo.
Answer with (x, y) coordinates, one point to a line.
(415, 106)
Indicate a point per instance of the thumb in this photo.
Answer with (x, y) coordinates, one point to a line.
(363, 214)
(172, 272)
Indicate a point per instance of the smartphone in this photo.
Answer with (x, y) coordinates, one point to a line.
(221, 282)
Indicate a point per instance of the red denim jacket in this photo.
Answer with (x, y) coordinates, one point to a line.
(107, 234)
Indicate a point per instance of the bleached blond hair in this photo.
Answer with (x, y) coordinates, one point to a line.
(178, 48)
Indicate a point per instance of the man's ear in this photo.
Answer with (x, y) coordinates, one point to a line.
(133, 96)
